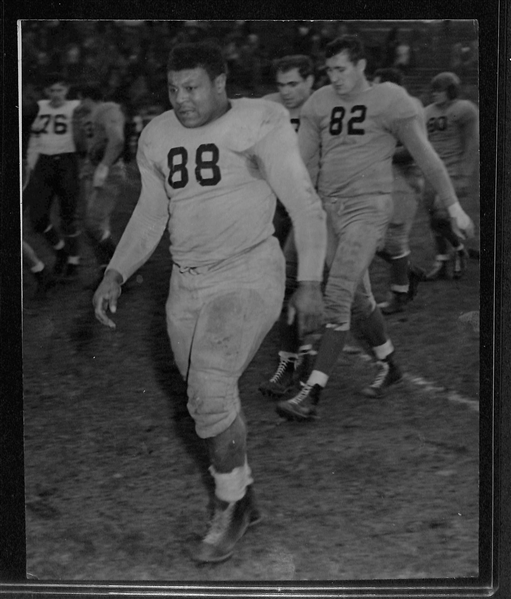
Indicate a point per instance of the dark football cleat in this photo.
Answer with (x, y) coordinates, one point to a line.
(395, 304)
(45, 281)
(228, 525)
(415, 276)
(302, 406)
(460, 263)
(61, 257)
(388, 374)
(283, 379)
(439, 271)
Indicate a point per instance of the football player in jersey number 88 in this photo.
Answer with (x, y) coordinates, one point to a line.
(211, 170)
(348, 134)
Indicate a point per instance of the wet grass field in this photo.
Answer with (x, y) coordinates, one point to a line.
(116, 480)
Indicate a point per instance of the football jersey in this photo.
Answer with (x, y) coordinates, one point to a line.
(95, 125)
(409, 169)
(218, 183)
(348, 143)
(52, 129)
(294, 113)
(445, 126)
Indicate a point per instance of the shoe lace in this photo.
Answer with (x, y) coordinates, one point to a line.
(219, 524)
(302, 396)
(284, 362)
(382, 374)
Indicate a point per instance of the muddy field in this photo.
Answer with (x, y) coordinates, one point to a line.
(117, 484)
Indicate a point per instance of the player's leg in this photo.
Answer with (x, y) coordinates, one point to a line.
(42, 274)
(68, 190)
(39, 195)
(369, 326)
(404, 277)
(360, 226)
(101, 202)
(285, 374)
(240, 304)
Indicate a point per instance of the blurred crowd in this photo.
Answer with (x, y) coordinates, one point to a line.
(128, 58)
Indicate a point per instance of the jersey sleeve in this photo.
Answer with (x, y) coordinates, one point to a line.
(469, 130)
(400, 106)
(149, 219)
(281, 165)
(309, 139)
(409, 132)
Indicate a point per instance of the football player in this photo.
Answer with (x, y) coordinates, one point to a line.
(294, 76)
(453, 130)
(348, 135)
(103, 172)
(52, 169)
(211, 169)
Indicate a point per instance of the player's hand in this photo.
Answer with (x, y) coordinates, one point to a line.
(461, 222)
(100, 175)
(306, 304)
(106, 297)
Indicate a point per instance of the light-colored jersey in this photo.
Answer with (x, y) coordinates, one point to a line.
(218, 184)
(446, 128)
(348, 143)
(408, 169)
(104, 132)
(294, 113)
(52, 129)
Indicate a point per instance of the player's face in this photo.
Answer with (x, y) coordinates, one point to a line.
(439, 96)
(57, 94)
(345, 76)
(293, 88)
(195, 98)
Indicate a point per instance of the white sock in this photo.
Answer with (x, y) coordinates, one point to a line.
(38, 267)
(231, 486)
(382, 351)
(317, 378)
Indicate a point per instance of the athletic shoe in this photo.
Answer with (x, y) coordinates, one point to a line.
(415, 276)
(45, 280)
(70, 272)
(228, 525)
(439, 271)
(283, 379)
(302, 406)
(388, 374)
(396, 303)
(60, 262)
(460, 263)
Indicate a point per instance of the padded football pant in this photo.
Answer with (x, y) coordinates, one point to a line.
(54, 175)
(405, 204)
(357, 228)
(101, 201)
(217, 318)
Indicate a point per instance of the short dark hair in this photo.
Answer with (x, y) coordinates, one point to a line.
(207, 55)
(94, 92)
(351, 44)
(54, 78)
(297, 61)
(389, 74)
